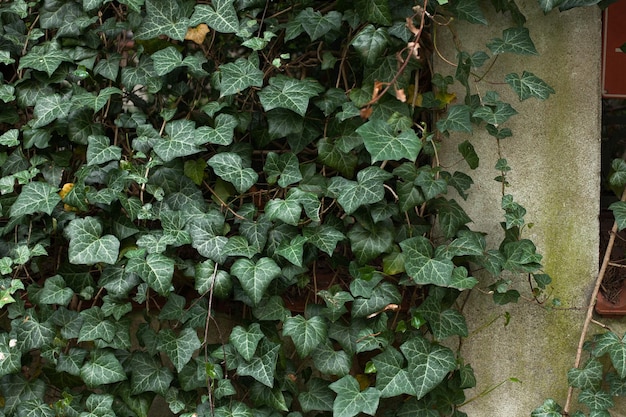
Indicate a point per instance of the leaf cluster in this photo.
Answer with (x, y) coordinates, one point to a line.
(237, 206)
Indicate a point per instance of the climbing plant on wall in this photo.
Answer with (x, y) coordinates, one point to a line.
(238, 206)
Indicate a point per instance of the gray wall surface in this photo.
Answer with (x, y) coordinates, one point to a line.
(555, 158)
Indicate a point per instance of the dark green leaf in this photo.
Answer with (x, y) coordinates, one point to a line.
(35, 197)
(163, 18)
(330, 361)
(587, 378)
(370, 43)
(229, 167)
(239, 75)
(428, 364)
(351, 400)
(87, 245)
(529, 85)
(469, 154)
(318, 397)
(220, 16)
(368, 188)
(156, 270)
(383, 144)
(246, 341)
(148, 374)
(179, 348)
(392, 378)
(289, 93)
(262, 367)
(306, 334)
(44, 57)
(458, 119)
(101, 369)
(375, 11)
(514, 40)
(255, 277)
(470, 11)
(317, 25)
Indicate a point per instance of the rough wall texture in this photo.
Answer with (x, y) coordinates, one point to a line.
(555, 157)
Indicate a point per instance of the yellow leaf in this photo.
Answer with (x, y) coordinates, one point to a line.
(364, 381)
(445, 98)
(197, 34)
(67, 187)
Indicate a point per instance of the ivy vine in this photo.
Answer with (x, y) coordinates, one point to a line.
(237, 206)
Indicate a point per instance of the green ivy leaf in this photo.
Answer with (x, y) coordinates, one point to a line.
(458, 119)
(245, 340)
(428, 364)
(451, 216)
(288, 210)
(422, 267)
(351, 401)
(368, 243)
(87, 245)
(619, 212)
(306, 334)
(50, 108)
(318, 397)
(317, 25)
(370, 43)
(263, 366)
(443, 322)
(223, 132)
(375, 11)
(495, 116)
(229, 167)
(101, 369)
(148, 374)
(181, 140)
(55, 291)
(469, 154)
(179, 348)
(167, 60)
(330, 361)
(323, 237)
(156, 270)
(587, 378)
(100, 150)
(383, 144)
(289, 93)
(239, 75)
(470, 11)
(255, 277)
(368, 188)
(220, 16)
(284, 168)
(234, 409)
(392, 379)
(596, 400)
(44, 57)
(380, 297)
(95, 326)
(514, 40)
(34, 408)
(12, 357)
(293, 249)
(35, 197)
(529, 85)
(163, 17)
(521, 256)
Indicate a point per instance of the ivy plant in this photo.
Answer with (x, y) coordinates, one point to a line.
(237, 206)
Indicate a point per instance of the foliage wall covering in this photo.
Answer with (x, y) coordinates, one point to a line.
(168, 165)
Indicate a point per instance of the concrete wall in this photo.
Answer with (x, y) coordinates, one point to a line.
(555, 157)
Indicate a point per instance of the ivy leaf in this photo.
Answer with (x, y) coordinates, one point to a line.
(100, 150)
(32, 333)
(317, 25)
(470, 11)
(87, 245)
(34, 408)
(458, 119)
(239, 75)
(223, 132)
(289, 93)
(163, 17)
(375, 11)
(50, 108)
(284, 168)
(529, 85)
(422, 267)
(324, 237)
(180, 141)
(587, 378)
(368, 188)
(95, 326)
(309, 201)
(306, 334)
(179, 348)
(392, 378)
(263, 366)
(148, 374)
(451, 216)
(246, 341)
(318, 397)
(166, 60)
(55, 291)
(443, 322)
(288, 210)
(351, 401)
(596, 400)
(368, 243)
(156, 270)
(229, 167)
(497, 116)
(234, 409)
(44, 57)
(521, 256)
(220, 16)
(12, 357)
(514, 40)
(428, 364)
(619, 212)
(383, 144)
(293, 249)
(255, 277)
(469, 154)
(329, 361)
(102, 368)
(35, 197)
(370, 43)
